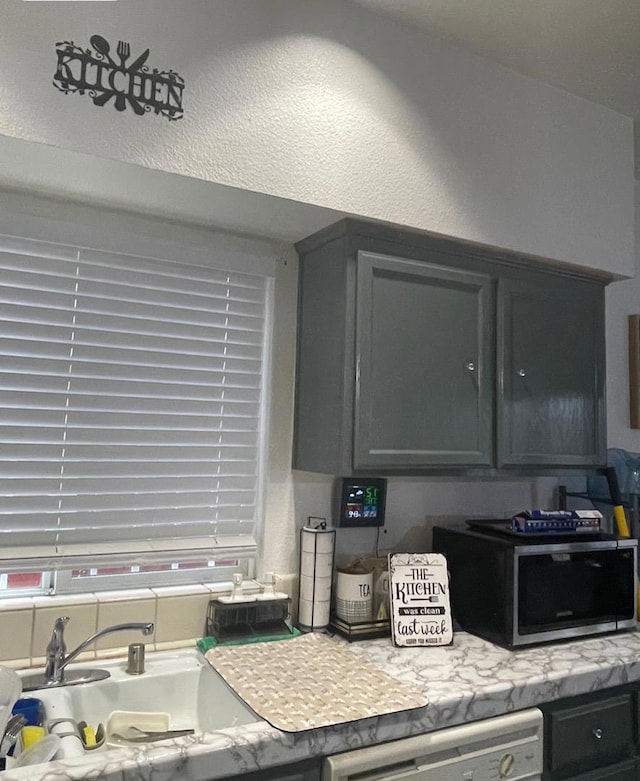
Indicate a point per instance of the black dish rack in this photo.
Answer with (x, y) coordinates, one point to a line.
(247, 619)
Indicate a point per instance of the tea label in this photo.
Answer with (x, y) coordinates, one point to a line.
(419, 593)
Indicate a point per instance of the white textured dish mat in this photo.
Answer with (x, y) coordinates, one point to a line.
(310, 681)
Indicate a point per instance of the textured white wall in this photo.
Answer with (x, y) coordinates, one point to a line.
(328, 104)
(322, 104)
(415, 504)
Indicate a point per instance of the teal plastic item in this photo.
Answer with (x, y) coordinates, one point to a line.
(627, 466)
(207, 643)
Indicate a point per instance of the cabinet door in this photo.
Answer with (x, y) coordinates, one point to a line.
(424, 365)
(624, 771)
(550, 372)
(589, 734)
(307, 770)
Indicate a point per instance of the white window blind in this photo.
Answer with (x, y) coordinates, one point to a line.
(131, 407)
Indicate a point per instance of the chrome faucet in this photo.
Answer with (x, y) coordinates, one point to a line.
(57, 656)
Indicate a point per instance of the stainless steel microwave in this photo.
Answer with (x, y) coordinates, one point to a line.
(517, 590)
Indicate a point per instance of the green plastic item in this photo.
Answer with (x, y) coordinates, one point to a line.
(206, 643)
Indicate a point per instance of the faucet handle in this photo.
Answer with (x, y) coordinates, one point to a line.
(56, 650)
(57, 637)
(56, 644)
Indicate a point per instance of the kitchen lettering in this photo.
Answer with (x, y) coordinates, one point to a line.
(100, 76)
(96, 73)
(419, 587)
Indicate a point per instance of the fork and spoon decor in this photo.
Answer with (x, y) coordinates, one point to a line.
(103, 73)
(123, 50)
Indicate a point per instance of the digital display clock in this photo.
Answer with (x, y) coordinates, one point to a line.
(362, 501)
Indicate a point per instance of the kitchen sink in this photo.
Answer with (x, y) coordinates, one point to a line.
(180, 683)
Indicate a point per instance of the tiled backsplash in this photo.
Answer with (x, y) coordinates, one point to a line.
(179, 615)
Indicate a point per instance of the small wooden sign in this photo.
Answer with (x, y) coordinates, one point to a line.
(419, 592)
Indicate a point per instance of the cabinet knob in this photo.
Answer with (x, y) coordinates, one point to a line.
(597, 732)
(471, 366)
(522, 373)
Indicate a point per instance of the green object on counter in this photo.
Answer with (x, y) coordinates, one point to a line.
(206, 643)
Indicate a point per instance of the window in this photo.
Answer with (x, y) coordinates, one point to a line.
(131, 396)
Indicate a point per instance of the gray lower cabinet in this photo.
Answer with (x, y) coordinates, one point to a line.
(592, 737)
(418, 353)
(623, 771)
(307, 770)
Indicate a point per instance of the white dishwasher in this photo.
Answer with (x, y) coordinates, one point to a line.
(504, 747)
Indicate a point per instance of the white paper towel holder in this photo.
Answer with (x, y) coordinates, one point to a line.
(317, 552)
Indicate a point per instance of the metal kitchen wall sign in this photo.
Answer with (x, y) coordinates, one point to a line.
(107, 75)
(419, 592)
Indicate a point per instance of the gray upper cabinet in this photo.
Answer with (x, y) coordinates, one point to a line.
(424, 371)
(551, 371)
(422, 354)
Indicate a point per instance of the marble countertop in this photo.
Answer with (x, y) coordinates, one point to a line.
(468, 680)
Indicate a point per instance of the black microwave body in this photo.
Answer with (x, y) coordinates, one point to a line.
(519, 592)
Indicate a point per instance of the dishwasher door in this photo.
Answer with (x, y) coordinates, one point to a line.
(503, 747)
